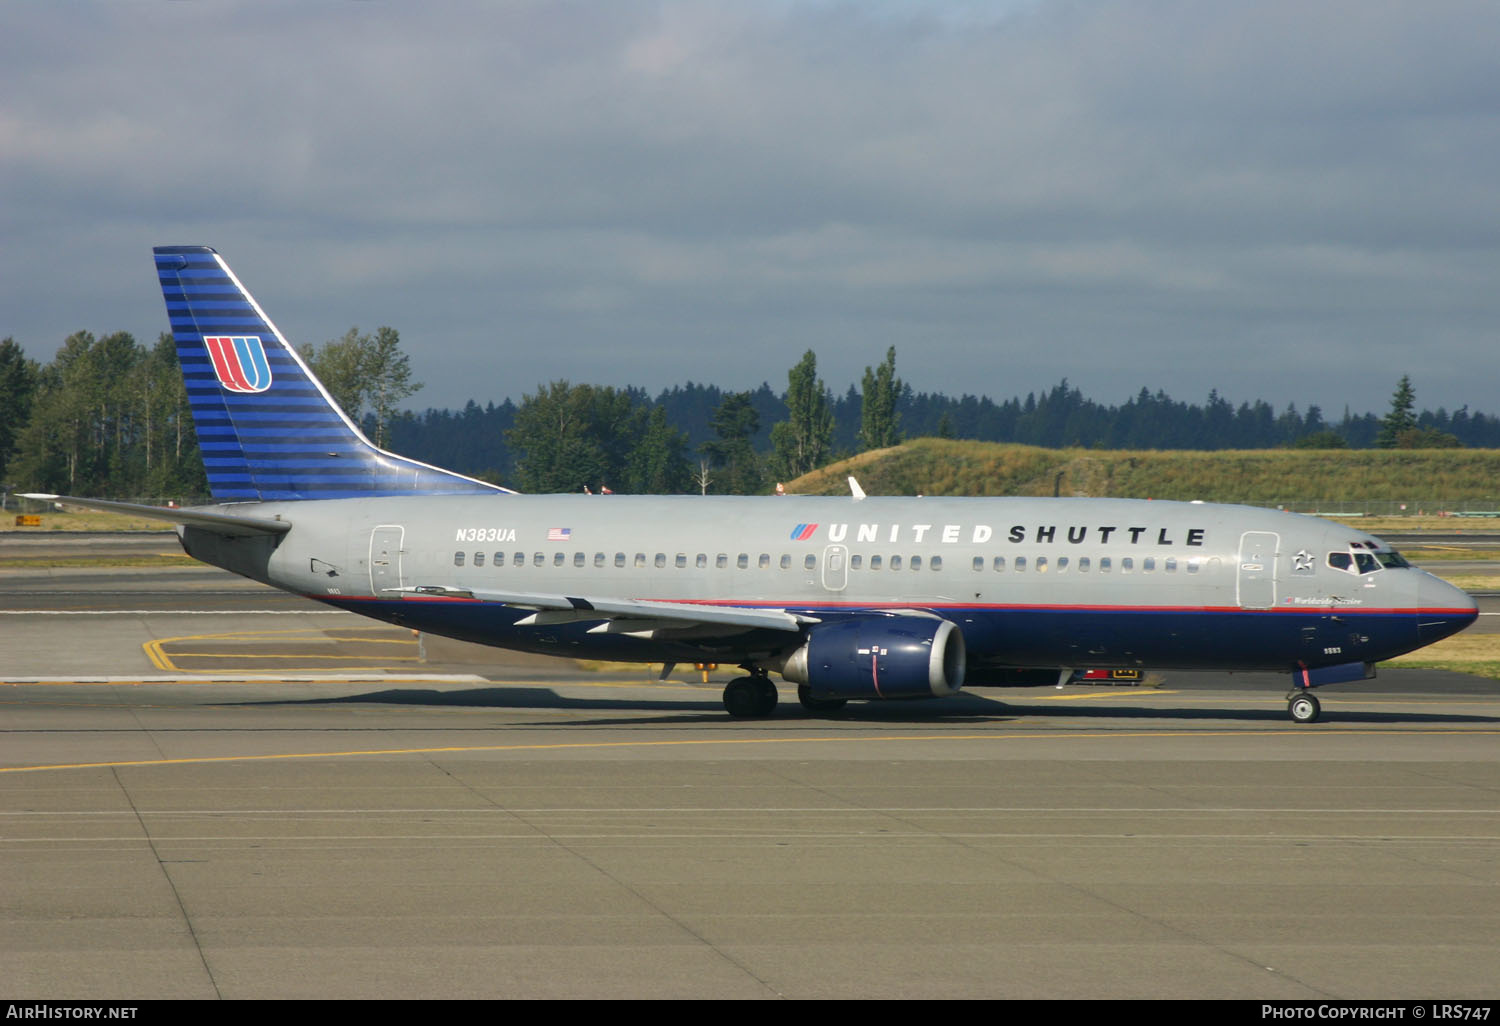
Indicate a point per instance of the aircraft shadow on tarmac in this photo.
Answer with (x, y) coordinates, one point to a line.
(965, 708)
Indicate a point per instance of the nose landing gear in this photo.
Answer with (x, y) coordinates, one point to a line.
(1303, 707)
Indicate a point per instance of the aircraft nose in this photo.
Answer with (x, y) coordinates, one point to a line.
(1445, 610)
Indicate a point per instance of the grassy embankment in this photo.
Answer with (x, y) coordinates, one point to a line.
(1328, 480)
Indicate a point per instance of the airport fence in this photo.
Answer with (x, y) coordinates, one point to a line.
(1476, 507)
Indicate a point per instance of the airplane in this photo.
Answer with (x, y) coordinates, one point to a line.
(849, 598)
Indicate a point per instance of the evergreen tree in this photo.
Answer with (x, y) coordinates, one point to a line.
(732, 454)
(1426, 438)
(658, 464)
(1400, 418)
(571, 437)
(880, 421)
(801, 442)
(18, 381)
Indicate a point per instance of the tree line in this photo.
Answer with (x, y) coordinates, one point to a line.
(109, 416)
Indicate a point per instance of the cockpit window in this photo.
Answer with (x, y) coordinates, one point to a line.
(1359, 562)
(1392, 559)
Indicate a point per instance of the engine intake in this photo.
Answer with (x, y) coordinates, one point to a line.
(880, 657)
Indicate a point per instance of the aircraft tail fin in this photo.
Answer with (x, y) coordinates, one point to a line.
(267, 428)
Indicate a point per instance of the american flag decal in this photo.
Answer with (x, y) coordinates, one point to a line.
(239, 362)
(559, 533)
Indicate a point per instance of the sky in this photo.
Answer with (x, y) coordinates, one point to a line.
(1276, 199)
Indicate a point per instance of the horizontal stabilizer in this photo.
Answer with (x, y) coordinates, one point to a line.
(219, 523)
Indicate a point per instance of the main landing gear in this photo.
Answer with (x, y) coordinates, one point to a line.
(752, 697)
(1303, 707)
(818, 705)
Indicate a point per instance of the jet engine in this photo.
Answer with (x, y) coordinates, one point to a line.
(900, 656)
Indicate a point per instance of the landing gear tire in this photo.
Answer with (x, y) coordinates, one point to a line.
(1303, 708)
(818, 705)
(767, 695)
(748, 698)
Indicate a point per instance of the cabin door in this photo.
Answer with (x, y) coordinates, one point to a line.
(835, 567)
(385, 558)
(1257, 573)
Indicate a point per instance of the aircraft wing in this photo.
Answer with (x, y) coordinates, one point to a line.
(219, 523)
(622, 616)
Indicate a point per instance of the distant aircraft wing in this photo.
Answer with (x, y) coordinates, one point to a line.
(219, 523)
(622, 616)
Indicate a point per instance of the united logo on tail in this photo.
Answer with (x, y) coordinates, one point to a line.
(239, 362)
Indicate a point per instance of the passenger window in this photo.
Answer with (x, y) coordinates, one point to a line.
(1170, 566)
(1127, 564)
(809, 561)
(742, 560)
(1104, 564)
(539, 559)
(499, 559)
(895, 562)
(855, 562)
(1020, 564)
(764, 562)
(661, 560)
(458, 559)
(916, 562)
(874, 562)
(518, 558)
(1148, 565)
(640, 559)
(786, 561)
(1083, 564)
(978, 562)
(558, 558)
(681, 561)
(721, 561)
(479, 559)
(1000, 565)
(701, 561)
(936, 563)
(599, 558)
(1192, 565)
(620, 560)
(1062, 564)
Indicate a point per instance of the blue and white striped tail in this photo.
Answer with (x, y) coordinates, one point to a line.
(266, 427)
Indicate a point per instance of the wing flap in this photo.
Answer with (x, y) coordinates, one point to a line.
(658, 615)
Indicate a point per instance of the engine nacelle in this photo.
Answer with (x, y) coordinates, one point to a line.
(880, 657)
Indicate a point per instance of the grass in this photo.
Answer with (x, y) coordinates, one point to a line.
(1476, 654)
(1424, 554)
(82, 520)
(58, 562)
(1327, 481)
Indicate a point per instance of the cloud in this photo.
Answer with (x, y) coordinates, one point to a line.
(1271, 198)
